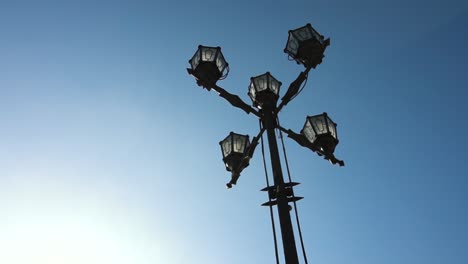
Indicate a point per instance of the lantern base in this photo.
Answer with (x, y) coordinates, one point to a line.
(326, 143)
(207, 74)
(310, 52)
(234, 177)
(265, 97)
(235, 162)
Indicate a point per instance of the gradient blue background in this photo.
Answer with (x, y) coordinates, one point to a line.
(109, 151)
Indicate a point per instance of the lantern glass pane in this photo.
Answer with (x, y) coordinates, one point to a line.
(293, 44)
(226, 146)
(220, 62)
(208, 54)
(308, 131)
(261, 83)
(319, 124)
(317, 35)
(195, 60)
(252, 92)
(239, 143)
(274, 85)
(304, 33)
(332, 128)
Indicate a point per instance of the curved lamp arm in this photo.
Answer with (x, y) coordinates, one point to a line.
(293, 88)
(235, 100)
(301, 140)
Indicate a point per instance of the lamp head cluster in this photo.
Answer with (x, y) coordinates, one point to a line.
(304, 45)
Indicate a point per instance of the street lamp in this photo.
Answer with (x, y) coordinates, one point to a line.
(208, 66)
(320, 130)
(264, 89)
(234, 149)
(306, 46)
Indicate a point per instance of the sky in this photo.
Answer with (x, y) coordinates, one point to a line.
(109, 150)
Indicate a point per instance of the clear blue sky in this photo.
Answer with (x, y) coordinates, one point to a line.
(109, 151)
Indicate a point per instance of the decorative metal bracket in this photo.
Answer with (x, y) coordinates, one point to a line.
(293, 88)
(273, 194)
(301, 140)
(235, 100)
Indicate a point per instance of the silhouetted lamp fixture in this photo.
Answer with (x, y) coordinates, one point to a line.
(320, 130)
(208, 66)
(306, 46)
(264, 89)
(234, 149)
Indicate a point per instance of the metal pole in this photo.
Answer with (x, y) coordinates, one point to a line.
(287, 232)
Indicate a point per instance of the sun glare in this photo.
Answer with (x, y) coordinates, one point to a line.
(71, 232)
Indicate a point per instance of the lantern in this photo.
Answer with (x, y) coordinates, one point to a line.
(264, 89)
(306, 46)
(208, 66)
(320, 130)
(234, 148)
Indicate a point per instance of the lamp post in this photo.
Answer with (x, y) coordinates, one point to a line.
(306, 46)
